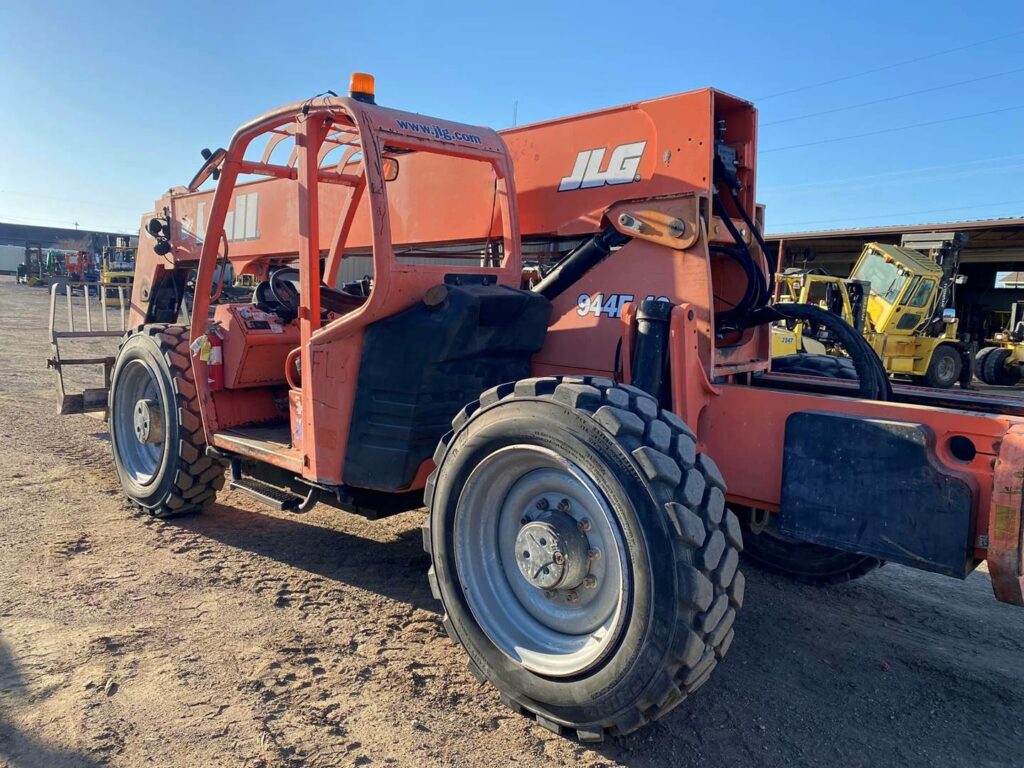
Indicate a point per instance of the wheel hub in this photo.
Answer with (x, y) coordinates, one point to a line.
(551, 552)
(562, 621)
(946, 369)
(148, 422)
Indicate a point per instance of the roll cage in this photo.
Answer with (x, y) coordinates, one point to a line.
(367, 137)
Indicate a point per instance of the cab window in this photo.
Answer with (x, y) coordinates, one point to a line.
(911, 290)
(886, 278)
(919, 296)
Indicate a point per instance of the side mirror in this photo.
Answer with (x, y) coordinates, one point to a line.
(390, 168)
(210, 168)
(960, 279)
(949, 315)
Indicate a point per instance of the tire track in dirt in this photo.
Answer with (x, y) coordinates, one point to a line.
(252, 638)
(309, 685)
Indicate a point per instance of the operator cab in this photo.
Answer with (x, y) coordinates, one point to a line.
(260, 336)
(393, 299)
(279, 294)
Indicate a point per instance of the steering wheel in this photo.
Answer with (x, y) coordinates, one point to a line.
(283, 290)
(280, 295)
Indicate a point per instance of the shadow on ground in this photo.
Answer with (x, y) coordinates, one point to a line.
(395, 568)
(17, 748)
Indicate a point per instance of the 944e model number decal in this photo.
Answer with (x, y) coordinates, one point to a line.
(611, 306)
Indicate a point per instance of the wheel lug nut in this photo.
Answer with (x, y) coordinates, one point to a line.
(593, 554)
(572, 596)
(558, 557)
(563, 505)
(524, 520)
(590, 582)
(542, 504)
(584, 524)
(550, 594)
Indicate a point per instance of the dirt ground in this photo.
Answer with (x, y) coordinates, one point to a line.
(245, 637)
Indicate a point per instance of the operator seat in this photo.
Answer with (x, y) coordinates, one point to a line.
(339, 302)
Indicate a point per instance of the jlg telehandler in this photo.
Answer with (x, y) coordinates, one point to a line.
(561, 437)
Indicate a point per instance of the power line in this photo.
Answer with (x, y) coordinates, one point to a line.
(806, 190)
(891, 174)
(27, 220)
(66, 200)
(931, 179)
(896, 215)
(62, 224)
(885, 67)
(893, 98)
(891, 130)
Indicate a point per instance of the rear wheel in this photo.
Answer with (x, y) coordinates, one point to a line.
(155, 426)
(997, 372)
(801, 561)
(944, 367)
(769, 550)
(979, 363)
(582, 552)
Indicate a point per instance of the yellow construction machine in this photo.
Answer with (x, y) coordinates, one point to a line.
(117, 266)
(999, 363)
(840, 296)
(901, 298)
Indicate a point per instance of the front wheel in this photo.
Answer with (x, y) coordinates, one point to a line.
(944, 367)
(582, 552)
(155, 425)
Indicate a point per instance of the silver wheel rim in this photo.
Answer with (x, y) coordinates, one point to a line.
(945, 368)
(141, 453)
(558, 630)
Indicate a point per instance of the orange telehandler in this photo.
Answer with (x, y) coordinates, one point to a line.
(560, 436)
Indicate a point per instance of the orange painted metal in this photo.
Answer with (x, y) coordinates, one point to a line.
(330, 354)
(648, 162)
(690, 386)
(237, 407)
(1005, 529)
(677, 134)
(253, 357)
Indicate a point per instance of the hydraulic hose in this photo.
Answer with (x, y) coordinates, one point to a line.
(874, 382)
(758, 292)
(579, 261)
(772, 263)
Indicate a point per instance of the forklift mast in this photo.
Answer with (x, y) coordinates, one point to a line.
(944, 248)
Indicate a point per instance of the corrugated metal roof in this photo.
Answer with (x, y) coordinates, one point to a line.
(867, 232)
(12, 233)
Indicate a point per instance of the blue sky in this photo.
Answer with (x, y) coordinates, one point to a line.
(106, 104)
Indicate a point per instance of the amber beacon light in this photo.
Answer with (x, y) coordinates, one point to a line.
(360, 87)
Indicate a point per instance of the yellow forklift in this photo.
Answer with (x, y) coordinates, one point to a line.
(840, 296)
(902, 300)
(118, 267)
(999, 363)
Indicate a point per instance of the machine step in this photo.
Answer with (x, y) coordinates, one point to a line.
(270, 495)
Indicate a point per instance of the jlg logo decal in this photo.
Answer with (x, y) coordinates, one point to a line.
(611, 306)
(622, 167)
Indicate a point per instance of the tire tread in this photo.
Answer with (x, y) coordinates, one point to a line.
(197, 478)
(706, 537)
